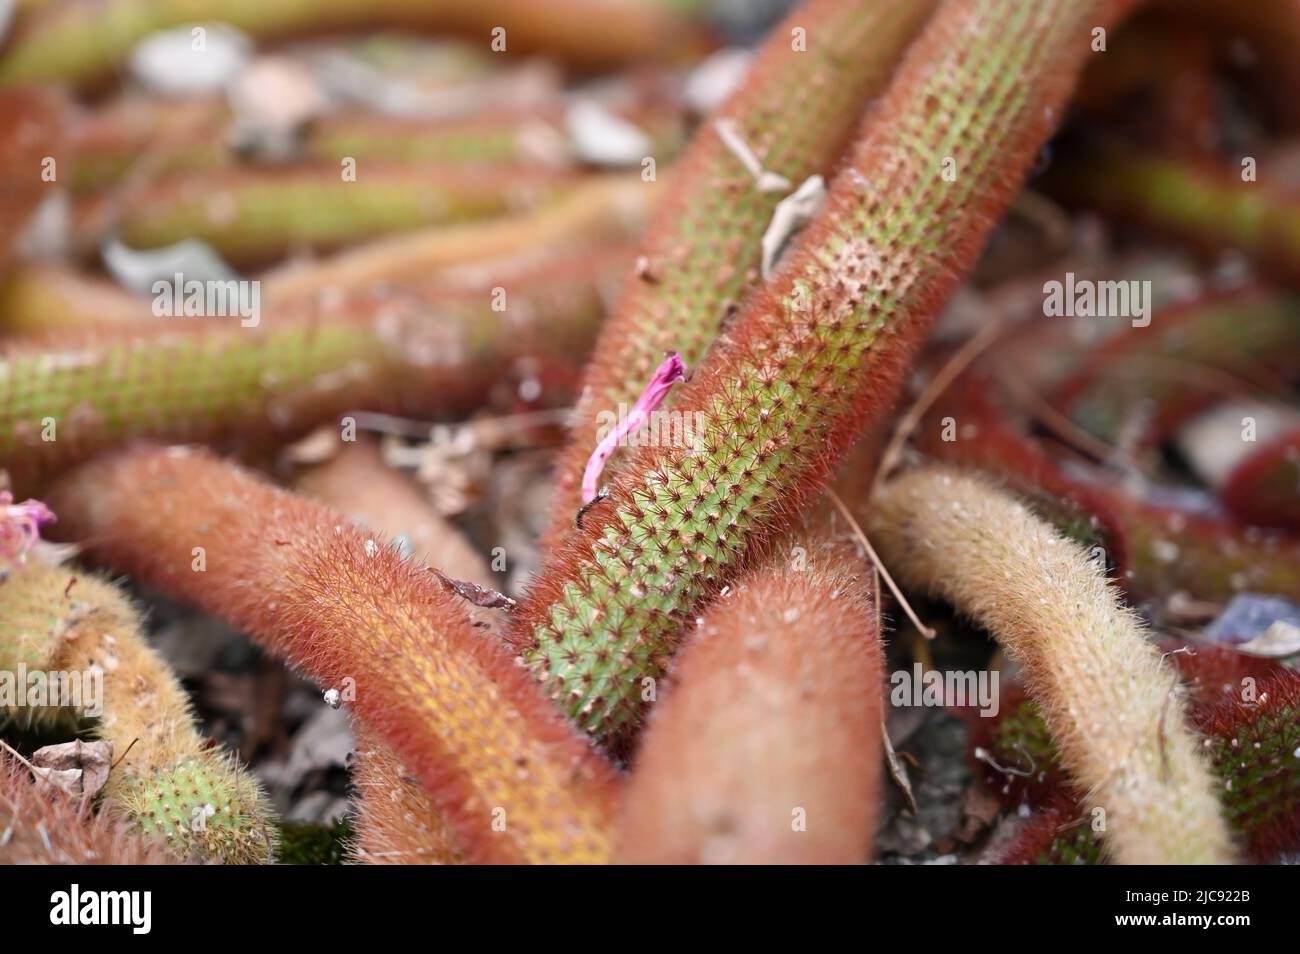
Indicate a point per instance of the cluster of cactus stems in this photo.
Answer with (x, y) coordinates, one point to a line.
(437, 349)
(784, 674)
(1203, 203)
(112, 143)
(811, 356)
(461, 754)
(165, 778)
(1185, 361)
(83, 41)
(1249, 736)
(515, 781)
(1101, 684)
(702, 254)
(40, 826)
(1157, 550)
(251, 216)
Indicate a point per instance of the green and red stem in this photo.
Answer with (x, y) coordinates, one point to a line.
(515, 781)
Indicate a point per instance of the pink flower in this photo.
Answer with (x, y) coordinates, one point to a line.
(20, 524)
(665, 376)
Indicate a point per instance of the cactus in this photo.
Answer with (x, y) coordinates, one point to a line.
(814, 355)
(42, 298)
(1104, 691)
(767, 746)
(1168, 367)
(1264, 488)
(607, 209)
(1204, 204)
(31, 128)
(1251, 744)
(796, 110)
(1157, 550)
(395, 821)
(166, 780)
(84, 40)
(42, 826)
(429, 351)
(252, 216)
(193, 137)
(514, 781)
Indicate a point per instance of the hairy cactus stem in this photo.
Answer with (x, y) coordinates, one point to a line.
(1105, 692)
(797, 110)
(815, 354)
(514, 781)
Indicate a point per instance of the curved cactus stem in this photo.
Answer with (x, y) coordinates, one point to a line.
(166, 779)
(513, 779)
(1103, 688)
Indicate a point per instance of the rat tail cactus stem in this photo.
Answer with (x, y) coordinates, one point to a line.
(166, 779)
(1106, 694)
(797, 110)
(784, 677)
(514, 780)
(815, 355)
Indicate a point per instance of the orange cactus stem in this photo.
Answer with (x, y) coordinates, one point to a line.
(188, 136)
(43, 826)
(395, 821)
(1248, 335)
(442, 349)
(39, 298)
(82, 41)
(814, 357)
(31, 134)
(767, 747)
(514, 781)
(1264, 488)
(252, 216)
(797, 109)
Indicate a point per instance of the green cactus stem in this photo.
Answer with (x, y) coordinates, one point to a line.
(814, 356)
(165, 779)
(82, 41)
(252, 216)
(701, 258)
(1212, 207)
(1191, 356)
(437, 350)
